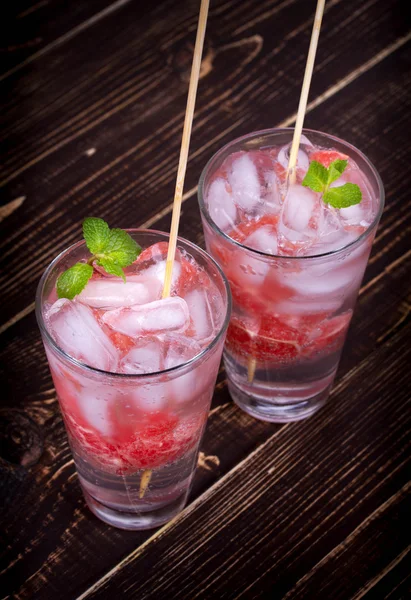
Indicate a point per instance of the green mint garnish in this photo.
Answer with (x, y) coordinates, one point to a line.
(96, 232)
(335, 170)
(343, 196)
(319, 178)
(120, 250)
(316, 177)
(112, 249)
(71, 282)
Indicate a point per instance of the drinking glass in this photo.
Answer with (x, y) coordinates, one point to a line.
(135, 461)
(290, 313)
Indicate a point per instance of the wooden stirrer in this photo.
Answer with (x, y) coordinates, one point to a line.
(304, 91)
(182, 166)
(185, 143)
(291, 173)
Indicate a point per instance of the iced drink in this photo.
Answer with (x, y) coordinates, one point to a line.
(294, 263)
(134, 375)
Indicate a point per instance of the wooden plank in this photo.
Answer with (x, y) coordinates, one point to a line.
(31, 29)
(123, 170)
(361, 550)
(394, 582)
(71, 532)
(230, 436)
(313, 488)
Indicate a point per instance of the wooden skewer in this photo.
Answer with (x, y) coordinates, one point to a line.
(144, 481)
(304, 91)
(185, 143)
(251, 367)
(292, 171)
(182, 166)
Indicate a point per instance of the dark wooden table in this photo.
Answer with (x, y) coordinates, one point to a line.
(93, 98)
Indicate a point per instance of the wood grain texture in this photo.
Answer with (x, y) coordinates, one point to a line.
(306, 507)
(92, 125)
(34, 28)
(131, 175)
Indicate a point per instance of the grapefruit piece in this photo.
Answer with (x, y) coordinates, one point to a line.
(275, 342)
(328, 335)
(326, 157)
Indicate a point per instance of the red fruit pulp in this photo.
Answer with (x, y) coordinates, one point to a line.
(136, 440)
(326, 157)
(273, 340)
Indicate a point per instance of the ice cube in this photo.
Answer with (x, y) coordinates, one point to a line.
(245, 183)
(284, 158)
(338, 182)
(201, 314)
(352, 214)
(305, 141)
(114, 293)
(264, 239)
(247, 270)
(147, 356)
(95, 403)
(298, 208)
(151, 397)
(302, 305)
(221, 206)
(316, 281)
(179, 349)
(332, 242)
(349, 252)
(357, 214)
(77, 332)
(272, 196)
(183, 387)
(170, 314)
(330, 230)
(329, 222)
(157, 272)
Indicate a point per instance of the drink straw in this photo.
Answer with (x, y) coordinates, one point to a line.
(291, 173)
(305, 90)
(182, 166)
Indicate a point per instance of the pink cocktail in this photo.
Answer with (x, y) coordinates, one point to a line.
(135, 375)
(294, 264)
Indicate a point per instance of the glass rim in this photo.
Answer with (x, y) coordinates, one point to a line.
(265, 132)
(132, 376)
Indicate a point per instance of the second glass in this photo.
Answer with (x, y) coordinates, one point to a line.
(290, 312)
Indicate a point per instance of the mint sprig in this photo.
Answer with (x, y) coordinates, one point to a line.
(71, 282)
(112, 249)
(318, 178)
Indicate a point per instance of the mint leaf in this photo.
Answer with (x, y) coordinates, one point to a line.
(343, 196)
(316, 177)
(96, 233)
(74, 280)
(336, 169)
(120, 248)
(112, 249)
(112, 268)
(319, 179)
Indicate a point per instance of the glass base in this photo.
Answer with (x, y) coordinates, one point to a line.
(136, 520)
(276, 409)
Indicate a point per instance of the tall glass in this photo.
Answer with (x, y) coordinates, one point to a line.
(290, 314)
(135, 467)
